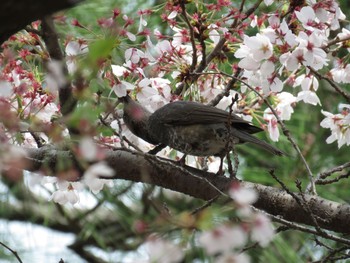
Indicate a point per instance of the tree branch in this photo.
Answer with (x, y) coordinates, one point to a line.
(138, 167)
(50, 37)
(16, 15)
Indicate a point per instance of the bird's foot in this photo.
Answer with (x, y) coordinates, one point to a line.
(182, 161)
(220, 172)
(157, 149)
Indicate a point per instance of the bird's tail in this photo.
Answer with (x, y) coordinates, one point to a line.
(246, 137)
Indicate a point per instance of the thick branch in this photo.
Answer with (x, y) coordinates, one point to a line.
(143, 168)
(17, 14)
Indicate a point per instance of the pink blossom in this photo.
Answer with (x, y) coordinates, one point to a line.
(134, 55)
(254, 50)
(306, 16)
(119, 71)
(163, 251)
(272, 125)
(241, 195)
(262, 230)
(121, 88)
(223, 239)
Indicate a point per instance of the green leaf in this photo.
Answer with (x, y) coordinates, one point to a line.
(101, 49)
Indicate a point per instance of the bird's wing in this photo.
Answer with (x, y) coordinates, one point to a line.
(188, 113)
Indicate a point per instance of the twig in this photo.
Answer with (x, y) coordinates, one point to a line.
(332, 253)
(122, 138)
(32, 30)
(336, 41)
(285, 188)
(12, 251)
(231, 144)
(217, 49)
(227, 89)
(308, 210)
(342, 92)
(207, 204)
(301, 201)
(330, 181)
(306, 229)
(193, 42)
(285, 131)
(339, 168)
(254, 245)
(159, 161)
(38, 140)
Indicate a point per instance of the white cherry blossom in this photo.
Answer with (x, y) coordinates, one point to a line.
(309, 97)
(262, 230)
(163, 251)
(222, 239)
(241, 195)
(92, 174)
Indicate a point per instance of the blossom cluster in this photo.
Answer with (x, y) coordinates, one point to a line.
(224, 242)
(227, 240)
(339, 124)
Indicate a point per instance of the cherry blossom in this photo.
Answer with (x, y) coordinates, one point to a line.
(163, 251)
(307, 17)
(272, 125)
(242, 196)
(254, 50)
(262, 230)
(67, 192)
(119, 71)
(92, 174)
(155, 52)
(284, 108)
(134, 55)
(339, 124)
(276, 54)
(308, 96)
(222, 239)
(88, 149)
(73, 49)
(121, 88)
(307, 82)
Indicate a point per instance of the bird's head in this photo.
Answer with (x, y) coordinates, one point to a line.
(134, 110)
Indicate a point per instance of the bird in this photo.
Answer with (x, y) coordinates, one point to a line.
(192, 128)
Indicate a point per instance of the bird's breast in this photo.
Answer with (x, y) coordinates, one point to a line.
(199, 140)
